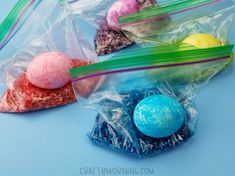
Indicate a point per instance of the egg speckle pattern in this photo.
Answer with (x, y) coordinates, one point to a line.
(159, 116)
(120, 8)
(49, 70)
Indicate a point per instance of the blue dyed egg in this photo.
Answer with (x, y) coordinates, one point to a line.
(159, 116)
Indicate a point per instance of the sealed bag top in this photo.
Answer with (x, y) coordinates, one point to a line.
(171, 22)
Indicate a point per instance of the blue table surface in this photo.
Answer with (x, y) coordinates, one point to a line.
(54, 142)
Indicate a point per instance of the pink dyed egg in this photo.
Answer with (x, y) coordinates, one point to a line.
(121, 8)
(49, 70)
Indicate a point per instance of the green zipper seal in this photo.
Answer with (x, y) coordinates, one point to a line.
(164, 9)
(154, 58)
(7, 24)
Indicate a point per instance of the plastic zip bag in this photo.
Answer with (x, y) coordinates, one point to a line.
(130, 78)
(15, 19)
(18, 24)
(36, 75)
(171, 22)
(103, 15)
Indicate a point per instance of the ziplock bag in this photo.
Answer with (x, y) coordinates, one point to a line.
(36, 75)
(173, 21)
(102, 14)
(138, 74)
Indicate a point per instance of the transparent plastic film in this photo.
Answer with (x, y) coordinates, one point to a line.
(36, 75)
(119, 87)
(103, 15)
(171, 23)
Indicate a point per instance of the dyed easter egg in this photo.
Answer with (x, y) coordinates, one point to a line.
(120, 8)
(202, 41)
(49, 70)
(159, 116)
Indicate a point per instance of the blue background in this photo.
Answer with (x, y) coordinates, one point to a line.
(54, 142)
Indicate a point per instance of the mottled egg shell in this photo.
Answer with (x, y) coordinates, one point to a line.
(159, 116)
(120, 8)
(49, 70)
